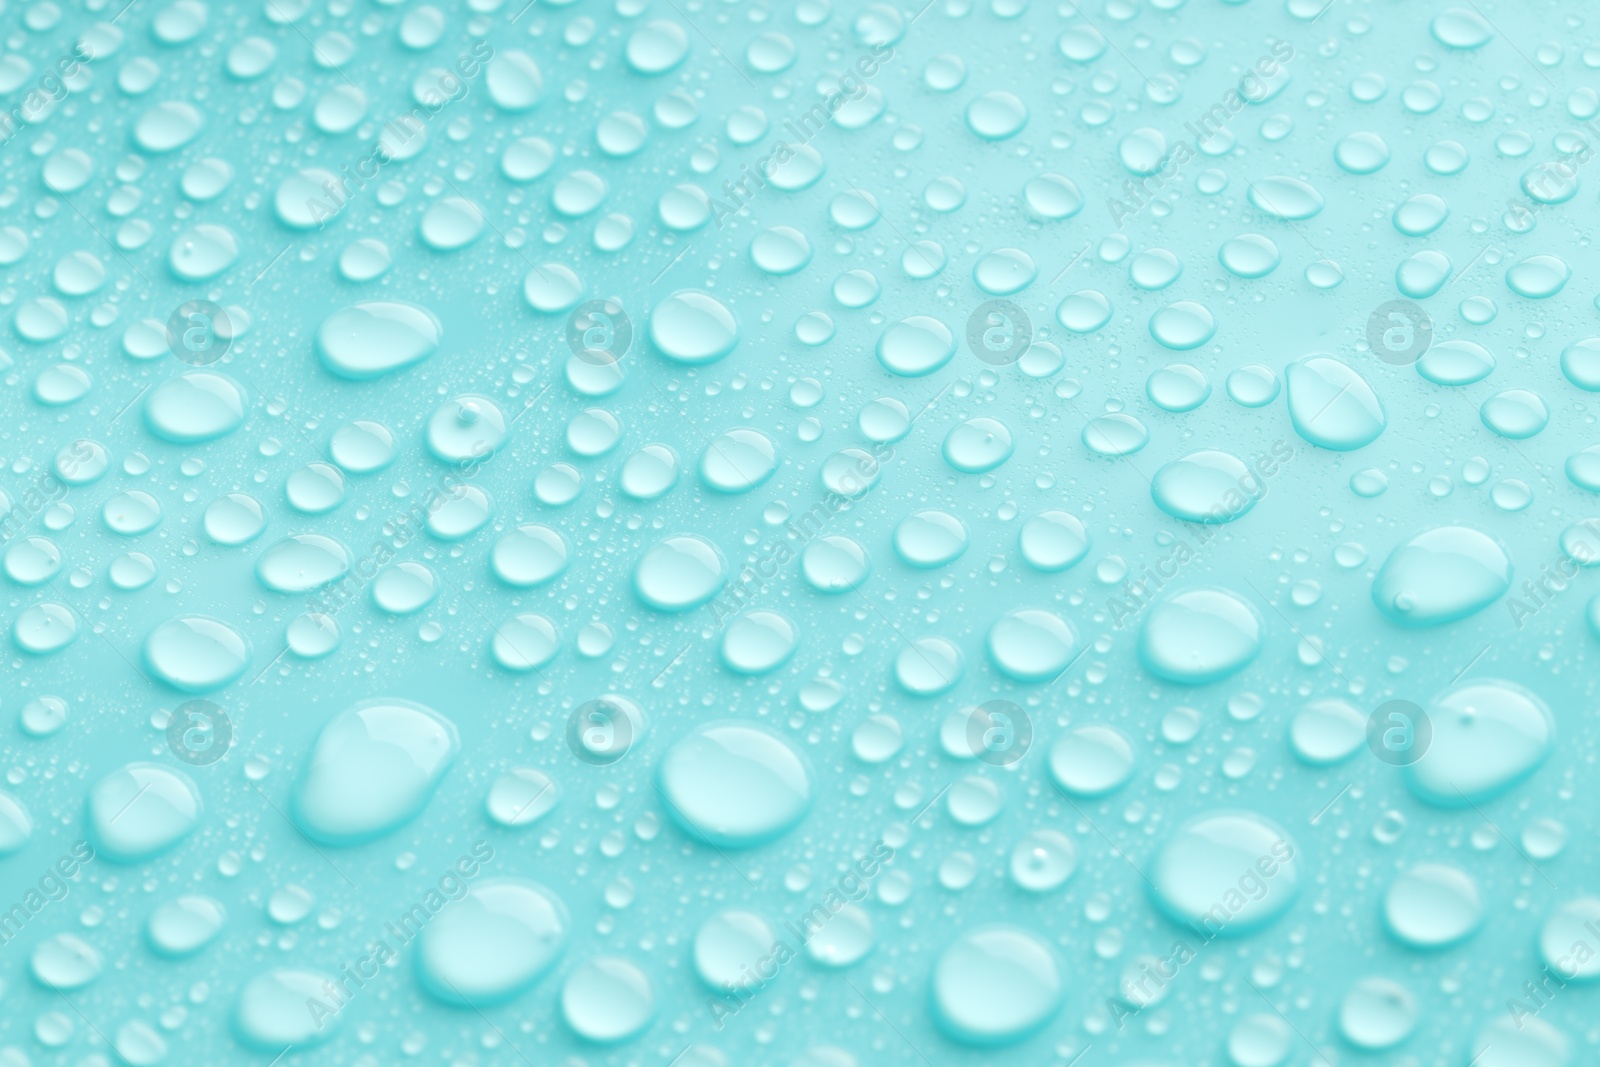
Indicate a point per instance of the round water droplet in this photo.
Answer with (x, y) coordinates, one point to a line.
(1566, 940)
(1253, 386)
(1005, 271)
(184, 926)
(1538, 277)
(657, 47)
(1116, 434)
(196, 654)
(1053, 541)
(679, 573)
(16, 825)
(43, 716)
(1422, 274)
(928, 666)
(522, 796)
(1455, 362)
(607, 1000)
(1091, 761)
(1209, 486)
(195, 407)
(1227, 873)
(835, 564)
(362, 447)
(693, 327)
(1432, 906)
(235, 519)
(1177, 387)
(1053, 196)
(758, 642)
(738, 460)
(1199, 635)
(978, 445)
(529, 555)
(916, 346)
(995, 986)
(466, 429)
(271, 1013)
(1361, 153)
(1183, 325)
(1249, 255)
(1487, 737)
(1084, 311)
(930, 538)
(45, 628)
(996, 115)
(1043, 861)
(64, 962)
(1328, 731)
(1031, 645)
(1461, 28)
(734, 785)
(1377, 1014)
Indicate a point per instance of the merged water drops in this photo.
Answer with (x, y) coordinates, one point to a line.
(140, 811)
(371, 770)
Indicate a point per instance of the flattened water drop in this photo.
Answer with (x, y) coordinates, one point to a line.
(377, 337)
(1441, 575)
(1207, 874)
